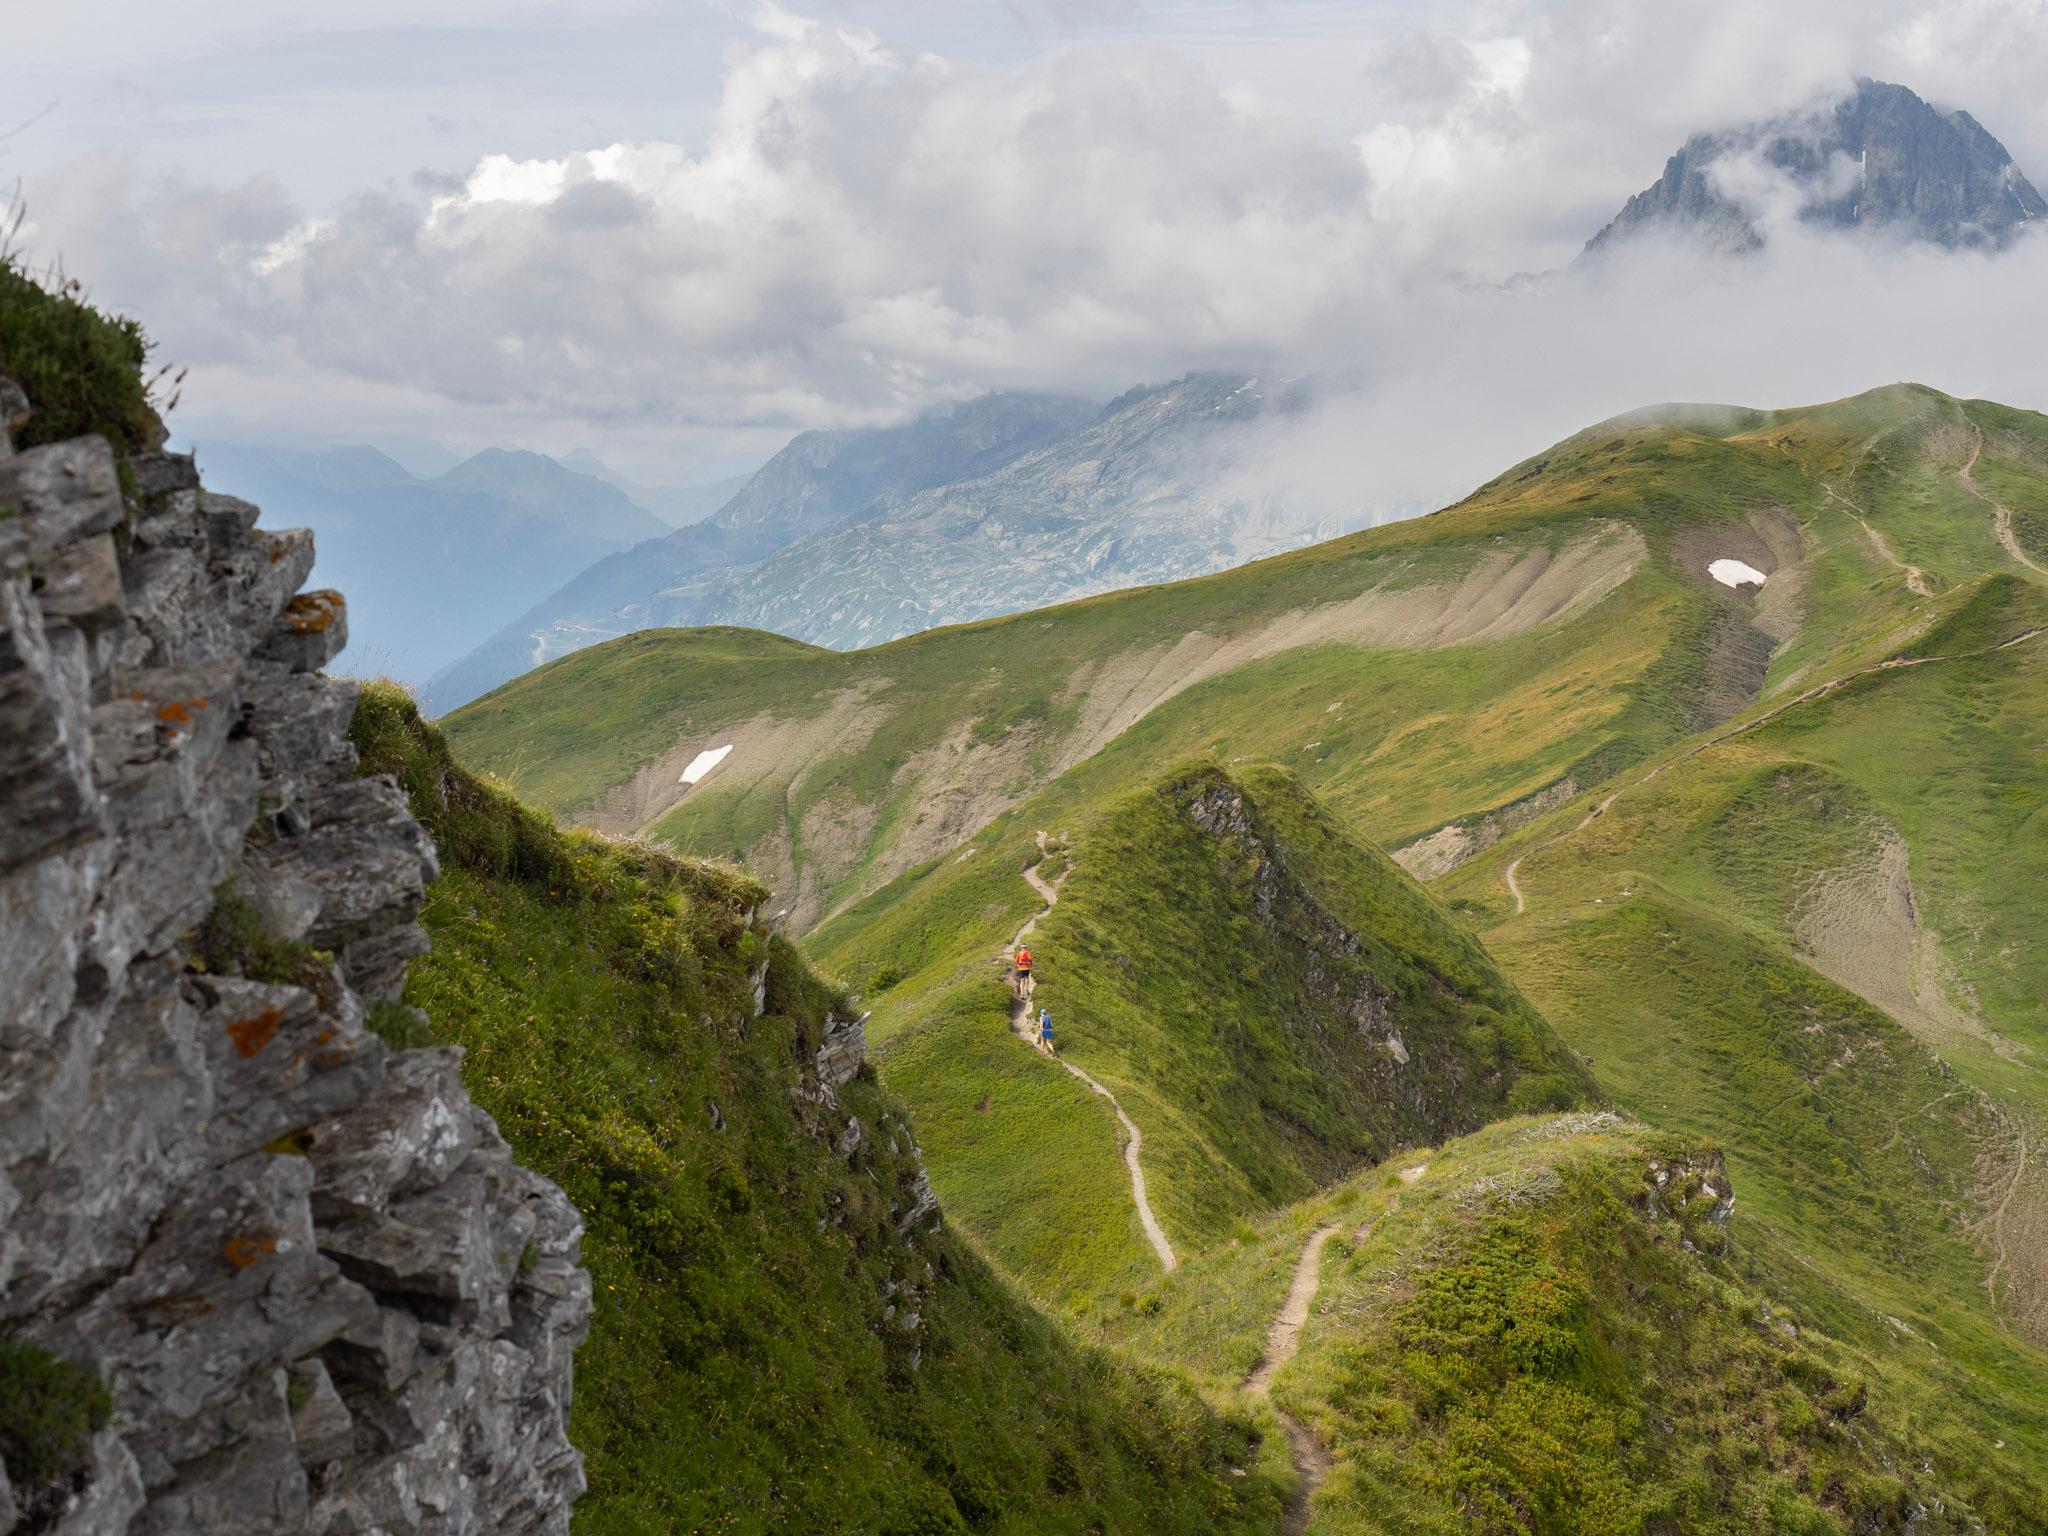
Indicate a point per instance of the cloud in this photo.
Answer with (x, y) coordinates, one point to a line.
(864, 230)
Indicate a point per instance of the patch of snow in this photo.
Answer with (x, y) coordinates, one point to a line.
(703, 763)
(1736, 573)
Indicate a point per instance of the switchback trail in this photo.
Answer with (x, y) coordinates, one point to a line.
(1818, 691)
(1312, 1461)
(1134, 1140)
(2001, 518)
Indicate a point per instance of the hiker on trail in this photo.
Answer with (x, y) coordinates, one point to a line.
(1045, 1030)
(1023, 970)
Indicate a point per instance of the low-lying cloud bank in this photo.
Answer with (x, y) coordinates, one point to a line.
(865, 233)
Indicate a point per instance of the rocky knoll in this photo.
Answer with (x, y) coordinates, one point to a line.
(298, 1279)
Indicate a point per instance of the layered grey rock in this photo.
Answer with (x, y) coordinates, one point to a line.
(322, 1293)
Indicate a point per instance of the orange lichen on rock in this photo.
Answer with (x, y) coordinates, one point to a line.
(244, 1250)
(311, 613)
(178, 711)
(252, 1034)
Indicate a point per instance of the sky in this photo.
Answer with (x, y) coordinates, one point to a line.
(678, 233)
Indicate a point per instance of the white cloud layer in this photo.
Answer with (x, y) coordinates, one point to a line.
(864, 230)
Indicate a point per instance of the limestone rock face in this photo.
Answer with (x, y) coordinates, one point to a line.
(322, 1294)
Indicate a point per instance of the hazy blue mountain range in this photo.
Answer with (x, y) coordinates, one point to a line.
(1143, 493)
(1880, 159)
(820, 481)
(678, 505)
(1009, 502)
(432, 566)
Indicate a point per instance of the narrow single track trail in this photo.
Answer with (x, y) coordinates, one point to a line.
(1021, 1023)
(2001, 518)
(2001, 1247)
(1916, 579)
(1312, 1460)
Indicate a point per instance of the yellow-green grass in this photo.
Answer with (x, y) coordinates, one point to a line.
(1539, 1336)
(1663, 942)
(1211, 1315)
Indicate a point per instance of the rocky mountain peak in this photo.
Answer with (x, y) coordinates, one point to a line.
(1878, 159)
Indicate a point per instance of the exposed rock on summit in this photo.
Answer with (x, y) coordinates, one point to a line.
(1879, 159)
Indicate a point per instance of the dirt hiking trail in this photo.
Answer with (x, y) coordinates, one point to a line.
(2001, 518)
(1515, 890)
(1312, 1461)
(1021, 1023)
(1916, 579)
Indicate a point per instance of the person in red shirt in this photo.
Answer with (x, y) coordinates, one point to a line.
(1023, 970)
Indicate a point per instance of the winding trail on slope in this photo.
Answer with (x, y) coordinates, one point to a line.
(1818, 691)
(1312, 1459)
(1134, 1140)
(2001, 1248)
(2001, 518)
(1916, 579)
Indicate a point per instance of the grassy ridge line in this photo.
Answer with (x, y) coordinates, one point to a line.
(1663, 940)
(1273, 1003)
(1543, 1335)
(748, 1367)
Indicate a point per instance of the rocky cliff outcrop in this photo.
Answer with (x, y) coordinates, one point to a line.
(319, 1292)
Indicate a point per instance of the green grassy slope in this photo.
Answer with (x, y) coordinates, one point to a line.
(748, 1366)
(1434, 644)
(1688, 924)
(1554, 1331)
(1529, 1331)
(1789, 908)
(1817, 942)
(1273, 1003)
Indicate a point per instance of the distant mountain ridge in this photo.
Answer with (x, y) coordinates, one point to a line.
(854, 539)
(1138, 495)
(819, 481)
(534, 482)
(1879, 159)
(433, 564)
(679, 505)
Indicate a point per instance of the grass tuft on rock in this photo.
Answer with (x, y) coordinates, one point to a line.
(50, 1408)
(82, 368)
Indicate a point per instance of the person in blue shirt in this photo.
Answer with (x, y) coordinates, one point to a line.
(1045, 1030)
